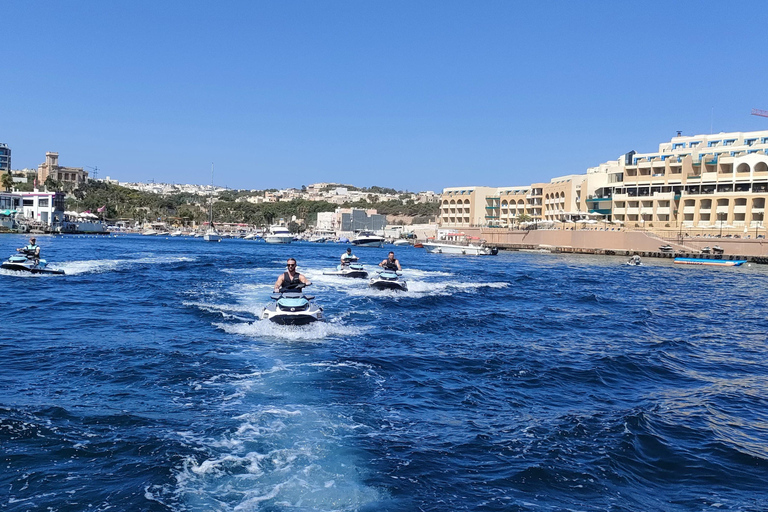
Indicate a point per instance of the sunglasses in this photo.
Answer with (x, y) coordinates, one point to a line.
(292, 265)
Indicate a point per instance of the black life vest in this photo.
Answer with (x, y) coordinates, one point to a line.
(289, 283)
(391, 265)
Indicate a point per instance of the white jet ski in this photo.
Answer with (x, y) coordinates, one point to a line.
(349, 270)
(28, 264)
(388, 280)
(292, 307)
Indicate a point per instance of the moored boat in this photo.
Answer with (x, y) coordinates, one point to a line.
(716, 263)
(368, 239)
(278, 235)
(465, 249)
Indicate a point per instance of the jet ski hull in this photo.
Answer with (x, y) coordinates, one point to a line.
(388, 281)
(30, 267)
(292, 309)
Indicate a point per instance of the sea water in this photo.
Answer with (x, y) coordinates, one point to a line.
(144, 380)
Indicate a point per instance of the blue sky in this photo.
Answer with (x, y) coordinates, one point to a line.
(410, 95)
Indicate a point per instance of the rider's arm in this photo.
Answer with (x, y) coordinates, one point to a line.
(398, 265)
(278, 283)
(304, 280)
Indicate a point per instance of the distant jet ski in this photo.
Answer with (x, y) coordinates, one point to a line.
(388, 280)
(292, 307)
(349, 270)
(28, 264)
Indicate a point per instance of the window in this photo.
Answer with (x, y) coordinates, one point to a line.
(713, 143)
(729, 142)
(43, 203)
(749, 142)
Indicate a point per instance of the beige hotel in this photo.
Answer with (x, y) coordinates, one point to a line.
(717, 181)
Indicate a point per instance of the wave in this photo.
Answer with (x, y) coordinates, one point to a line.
(313, 332)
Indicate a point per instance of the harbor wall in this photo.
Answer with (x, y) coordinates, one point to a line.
(619, 241)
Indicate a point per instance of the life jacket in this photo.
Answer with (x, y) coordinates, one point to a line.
(290, 283)
(391, 265)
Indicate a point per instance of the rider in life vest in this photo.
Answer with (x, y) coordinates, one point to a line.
(291, 279)
(31, 251)
(391, 263)
(347, 257)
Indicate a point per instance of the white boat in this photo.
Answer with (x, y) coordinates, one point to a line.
(401, 242)
(467, 249)
(211, 235)
(278, 235)
(178, 232)
(368, 239)
(149, 232)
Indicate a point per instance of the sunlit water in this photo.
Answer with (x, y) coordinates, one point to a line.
(144, 380)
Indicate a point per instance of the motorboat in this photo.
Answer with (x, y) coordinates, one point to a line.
(368, 239)
(292, 307)
(469, 249)
(388, 280)
(713, 262)
(634, 261)
(278, 235)
(24, 263)
(178, 232)
(401, 242)
(666, 248)
(349, 270)
(318, 239)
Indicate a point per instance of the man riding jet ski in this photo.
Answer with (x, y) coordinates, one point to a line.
(389, 278)
(29, 260)
(291, 306)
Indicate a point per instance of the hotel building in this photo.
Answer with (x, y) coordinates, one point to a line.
(5, 158)
(691, 182)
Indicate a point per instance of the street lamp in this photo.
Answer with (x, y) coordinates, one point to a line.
(720, 218)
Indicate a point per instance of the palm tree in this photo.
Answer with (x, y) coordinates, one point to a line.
(7, 181)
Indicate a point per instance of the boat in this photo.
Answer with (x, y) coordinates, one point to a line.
(634, 261)
(178, 232)
(278, 235)
(469, 249)
(666, 248)
(401, 242)
(292, 307)
(24, 263)
(368, 239)
(211, 235)
(349, 270)
(388, 280)
(318, 239)
(717, 263)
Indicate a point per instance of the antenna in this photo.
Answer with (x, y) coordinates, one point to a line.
(758, 112)
(95, 171)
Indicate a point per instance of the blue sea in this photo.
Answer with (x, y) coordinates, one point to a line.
(143, 380)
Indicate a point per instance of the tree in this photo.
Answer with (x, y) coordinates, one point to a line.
(7, 181)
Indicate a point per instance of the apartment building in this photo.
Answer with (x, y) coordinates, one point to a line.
(694, 182)
(5, 158)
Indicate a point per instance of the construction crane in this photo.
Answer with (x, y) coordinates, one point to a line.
(95, 171)
(758, 112)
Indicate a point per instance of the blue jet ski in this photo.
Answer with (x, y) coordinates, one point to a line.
(28, 263)
(292, 307)
(388, 280)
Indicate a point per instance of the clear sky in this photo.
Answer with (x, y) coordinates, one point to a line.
(414, 95)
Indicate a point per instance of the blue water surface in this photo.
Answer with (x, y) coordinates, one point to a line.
(143, 380)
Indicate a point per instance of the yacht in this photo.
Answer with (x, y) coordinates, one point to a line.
(468, 249)
(278, 235)
(368, 239)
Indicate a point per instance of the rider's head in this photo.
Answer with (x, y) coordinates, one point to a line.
(32, 240)
(391, 255)
(291, 263)
(349, 250)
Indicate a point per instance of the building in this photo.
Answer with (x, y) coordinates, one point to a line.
(702, 181)
(5, 158)
(51, 168)
(46, 208)
(717, 181)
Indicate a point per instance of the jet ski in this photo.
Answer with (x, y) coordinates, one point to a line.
(349, 270)
(388, 280)
(28, 264)
(292, 307)
(634, 261)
